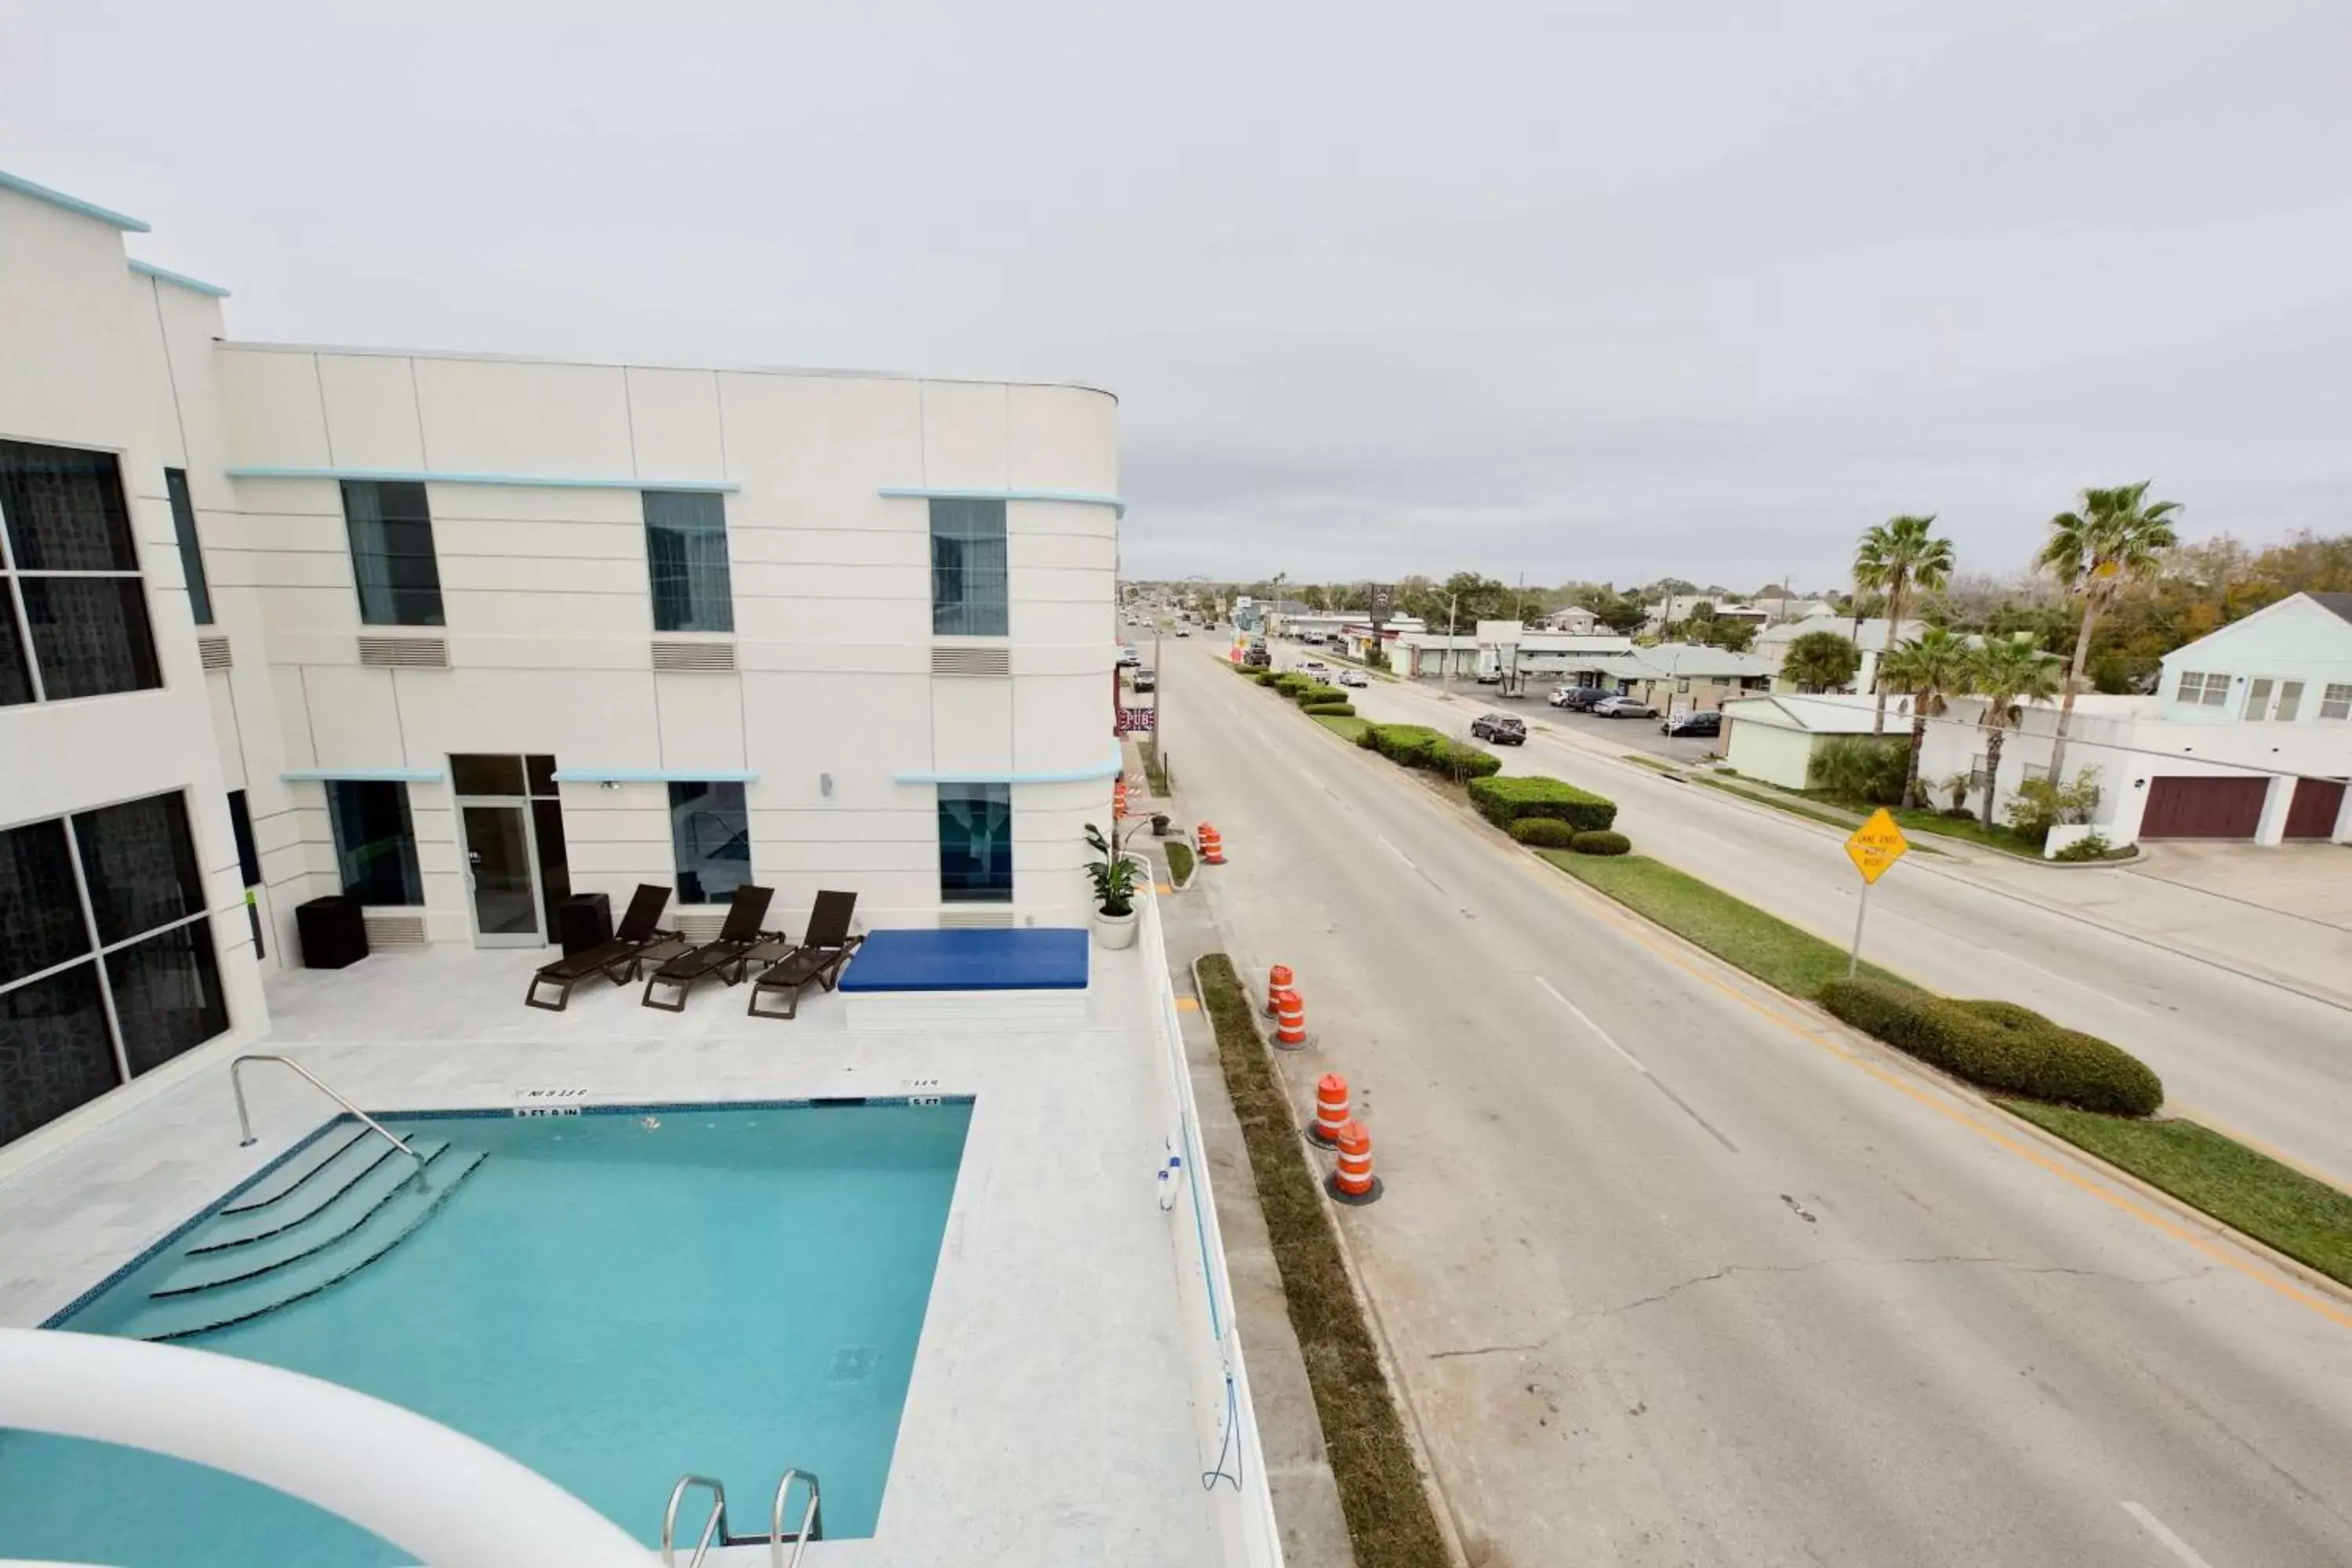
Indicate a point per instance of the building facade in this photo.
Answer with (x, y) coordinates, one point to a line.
(461, 636)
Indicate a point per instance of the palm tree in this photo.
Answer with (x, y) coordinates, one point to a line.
(1938, 666)
(1899, 556)
(1821, 661)
(2113, 537)
(2009, 674)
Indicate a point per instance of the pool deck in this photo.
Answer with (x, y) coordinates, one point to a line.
(1053, 1416)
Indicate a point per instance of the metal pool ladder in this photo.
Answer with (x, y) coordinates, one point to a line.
(714, 1526)
(244, 1122)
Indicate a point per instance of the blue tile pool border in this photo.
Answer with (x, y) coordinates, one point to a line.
(485, 1114)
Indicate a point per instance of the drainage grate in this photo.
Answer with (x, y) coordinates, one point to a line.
(405, 653)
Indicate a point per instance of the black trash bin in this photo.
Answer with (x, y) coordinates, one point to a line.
(333, 934)
(583, 921)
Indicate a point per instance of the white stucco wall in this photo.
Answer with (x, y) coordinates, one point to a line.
(1766, 753)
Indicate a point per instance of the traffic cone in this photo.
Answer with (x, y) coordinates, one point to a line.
(1277, 979)
(1351, 1180)
(1290, 1021)
(1331, 1109)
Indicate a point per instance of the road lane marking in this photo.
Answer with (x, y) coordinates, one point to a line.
(1408, 860)
(2163, 1533)
(1634, 1062)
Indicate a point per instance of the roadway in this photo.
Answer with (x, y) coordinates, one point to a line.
(1675, 1273)
(2262, 1063)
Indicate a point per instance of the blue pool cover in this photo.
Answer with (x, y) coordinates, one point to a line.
(1040, 958)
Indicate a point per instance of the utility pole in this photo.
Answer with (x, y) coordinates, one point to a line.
(1446, 659)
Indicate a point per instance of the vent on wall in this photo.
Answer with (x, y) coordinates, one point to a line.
(967, 916)
(710, 657)
(405, 653)
(394, 931)
(971, 661)
(213, 651)
(698, 929)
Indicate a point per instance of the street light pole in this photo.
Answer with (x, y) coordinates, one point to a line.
(1446, 659)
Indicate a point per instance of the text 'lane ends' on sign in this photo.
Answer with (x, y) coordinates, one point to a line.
(1876, 844)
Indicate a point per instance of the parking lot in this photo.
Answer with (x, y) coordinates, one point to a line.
(1630, 735)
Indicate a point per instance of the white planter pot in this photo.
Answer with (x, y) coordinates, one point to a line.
(1115, 932)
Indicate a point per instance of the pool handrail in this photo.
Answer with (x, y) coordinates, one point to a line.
(812, 1520)
(244, 1120)
(715, 1525)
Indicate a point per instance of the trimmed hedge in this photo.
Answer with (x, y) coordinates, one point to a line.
(1290, 683)
(1419, 746)
(2000, 1045)
(1543, 832)
(1593, 841)
(1340, 710)
(1319, 693)
(1503, 801)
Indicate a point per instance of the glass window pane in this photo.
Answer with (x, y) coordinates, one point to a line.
(15, 669)
(41, 922)
(65, 510)
(167, 995)
(139, 861)
(2290, 701)
(686, 554)
(555, 860)
(975, 843)
(486, 775)
(90, 636)
(542, 775)
(391, 530)
(191, 555)
(241, 826)
(55, 1053)
(968, 569)
(712, 832)
(376, 846)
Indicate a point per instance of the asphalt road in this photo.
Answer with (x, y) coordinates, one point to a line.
(1676, 1274)
(2264, 1064)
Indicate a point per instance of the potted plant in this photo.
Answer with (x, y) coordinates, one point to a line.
(1114, 879)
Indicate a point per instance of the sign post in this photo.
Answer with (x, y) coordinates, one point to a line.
(1873, 848)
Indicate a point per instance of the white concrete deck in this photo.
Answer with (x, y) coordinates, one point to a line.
(1054, 1415)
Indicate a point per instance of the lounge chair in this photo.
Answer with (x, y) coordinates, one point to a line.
(731, 949)
(640, 933)
(818, 958)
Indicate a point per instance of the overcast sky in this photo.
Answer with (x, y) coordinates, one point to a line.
(1605, 291)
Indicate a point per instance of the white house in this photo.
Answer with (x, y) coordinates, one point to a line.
(1574, 619)
(1773, 738)
(1677, 608)
(458, 636)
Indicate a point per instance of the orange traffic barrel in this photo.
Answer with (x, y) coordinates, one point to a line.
(1211, 842)
(1290, 1020)
(1331, 1109)
(1278, 981)
(1118, 800)
(1351, 1180)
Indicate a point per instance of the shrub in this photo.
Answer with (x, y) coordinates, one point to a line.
(1867, 770)
(1290, 683)
(1368, 737)
(2000, 1045)
(1341, 710)
(1600, 841)
(1319, 692)
(1467, 763)
(1503, 801)
(2091, 846)
(2040, 805)
(1419, 746)
(1543, 832)
(1265, 677)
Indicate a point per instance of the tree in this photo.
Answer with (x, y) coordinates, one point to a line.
(1936, 665)
(2009, 674)
(1821, 661)
(1720, 631)
(2112, 538)
(1901, 556)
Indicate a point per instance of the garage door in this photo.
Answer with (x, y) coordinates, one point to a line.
(2204, 808)
(2316, 803)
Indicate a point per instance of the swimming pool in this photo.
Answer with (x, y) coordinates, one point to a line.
(614, 1297)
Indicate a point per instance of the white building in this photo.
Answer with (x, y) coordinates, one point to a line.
(1869, 638)
(1574, 619)
(460, 635)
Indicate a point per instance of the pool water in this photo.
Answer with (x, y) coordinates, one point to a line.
(613, 1300)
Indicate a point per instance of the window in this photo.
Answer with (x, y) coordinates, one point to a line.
(967, 579)
(2335, 702)
(73, 611)
(2258, 699)
(976, 844)
(191, 555)
(711, 830)
(375, 844)
(107, 966)
(685, 552)
(392, 553)
(2290, 701)
(2204, 690)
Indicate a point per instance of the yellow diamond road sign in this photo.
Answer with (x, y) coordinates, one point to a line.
(1876, 844)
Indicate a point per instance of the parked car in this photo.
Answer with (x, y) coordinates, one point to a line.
(1692, 721)
(1501, 729)
(1354, 678)
(1576, 698)
(1144, 681)
(1184, 631)
(1490, 678)
(1314, 667)
(1127, 658)
(1622, 708)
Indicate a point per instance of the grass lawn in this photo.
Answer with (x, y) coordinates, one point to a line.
(1180, 860)
(1793, 807)
(2305, 1219)
(1346, 729)
(1739, 933)
(1388, 1519)
(1658, 764)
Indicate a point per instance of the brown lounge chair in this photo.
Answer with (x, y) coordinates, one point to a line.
(730, 950)
(640, 933)
(818, 958)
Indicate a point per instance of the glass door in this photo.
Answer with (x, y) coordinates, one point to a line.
(501, 873)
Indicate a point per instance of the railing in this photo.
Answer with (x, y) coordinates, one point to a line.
(812, 1521)
(244, 1122)
(716, 1525)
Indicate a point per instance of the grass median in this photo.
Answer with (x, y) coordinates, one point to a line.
(1782, 955)
(1390, 1522)
(1179, 861)
(2275, 1204)
(1346, 729)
